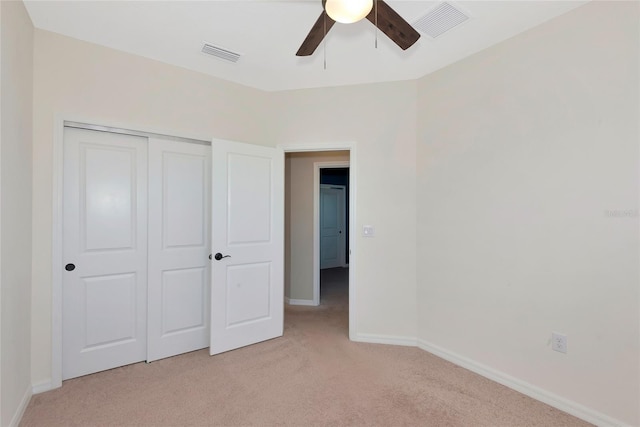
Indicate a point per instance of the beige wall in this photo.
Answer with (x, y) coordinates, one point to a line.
(525, 153)
(75, 79)
(96, 84)
(16, 74)
(381, 120)
(299, 170)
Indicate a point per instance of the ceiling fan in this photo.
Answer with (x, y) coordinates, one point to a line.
(377, 12)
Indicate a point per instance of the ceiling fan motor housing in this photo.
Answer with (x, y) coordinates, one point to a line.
(347, 11)
(385, 18)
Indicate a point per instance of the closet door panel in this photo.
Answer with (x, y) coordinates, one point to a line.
(179, 181)
(104, 294)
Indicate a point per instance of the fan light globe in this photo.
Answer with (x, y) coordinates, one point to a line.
(348, 11)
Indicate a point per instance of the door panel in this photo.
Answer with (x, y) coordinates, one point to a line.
(248, 289)
(185, 188)
(179, 230)
(104, 295)
(248, 225)
(184, 300)
(250, 201)
(108, 219)
(104, 221)
(332, 218)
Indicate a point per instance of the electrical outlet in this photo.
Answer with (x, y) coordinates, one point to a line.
(558, 342)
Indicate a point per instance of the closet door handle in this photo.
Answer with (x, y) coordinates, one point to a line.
(70, 267)
(219, 256)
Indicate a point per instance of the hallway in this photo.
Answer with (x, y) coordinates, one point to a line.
(334, 287)
(333, 311)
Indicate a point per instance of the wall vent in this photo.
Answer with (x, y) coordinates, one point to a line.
(440, 19)
(220, 52)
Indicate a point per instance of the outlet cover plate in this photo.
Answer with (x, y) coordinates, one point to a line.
(559, 342)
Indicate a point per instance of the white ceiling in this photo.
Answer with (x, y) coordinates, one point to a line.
(268, 33)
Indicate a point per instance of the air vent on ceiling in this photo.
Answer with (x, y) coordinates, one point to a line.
(221, 53)
(440, 19)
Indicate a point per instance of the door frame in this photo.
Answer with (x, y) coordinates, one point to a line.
(57, 162)
(351, 164)
(342, 251)
(317, 169)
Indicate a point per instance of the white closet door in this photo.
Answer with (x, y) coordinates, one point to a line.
(105, 251)
(248, 233)
(179, 247)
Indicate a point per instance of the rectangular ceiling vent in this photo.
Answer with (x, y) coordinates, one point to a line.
(221, 53)
(440, 19)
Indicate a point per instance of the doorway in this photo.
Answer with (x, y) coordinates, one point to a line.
(308, 277)
(333, 212)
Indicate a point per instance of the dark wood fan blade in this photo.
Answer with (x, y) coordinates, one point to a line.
(393, 25)
(316, 35)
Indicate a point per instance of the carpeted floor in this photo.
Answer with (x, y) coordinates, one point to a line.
(311, 376)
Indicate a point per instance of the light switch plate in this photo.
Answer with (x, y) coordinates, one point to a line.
(368, 231)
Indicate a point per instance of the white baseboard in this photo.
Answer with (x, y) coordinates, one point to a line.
(566, 405)
(17, 417)
(385, 339)
(291, 301)
(41, 387)
(523, 387)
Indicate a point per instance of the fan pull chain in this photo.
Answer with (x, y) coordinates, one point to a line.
(324, 40)
(375, 4)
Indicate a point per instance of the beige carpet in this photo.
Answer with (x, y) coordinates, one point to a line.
(312, 376)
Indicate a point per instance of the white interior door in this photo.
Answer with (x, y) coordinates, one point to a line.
(179, 247)
(332, 219)
(105, 251)
(248, 230)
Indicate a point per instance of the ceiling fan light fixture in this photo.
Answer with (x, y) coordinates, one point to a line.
(348, 11)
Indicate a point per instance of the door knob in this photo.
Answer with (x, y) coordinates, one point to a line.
(70, 267)
(219, 256)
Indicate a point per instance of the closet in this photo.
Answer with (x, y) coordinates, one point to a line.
(136, 246)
